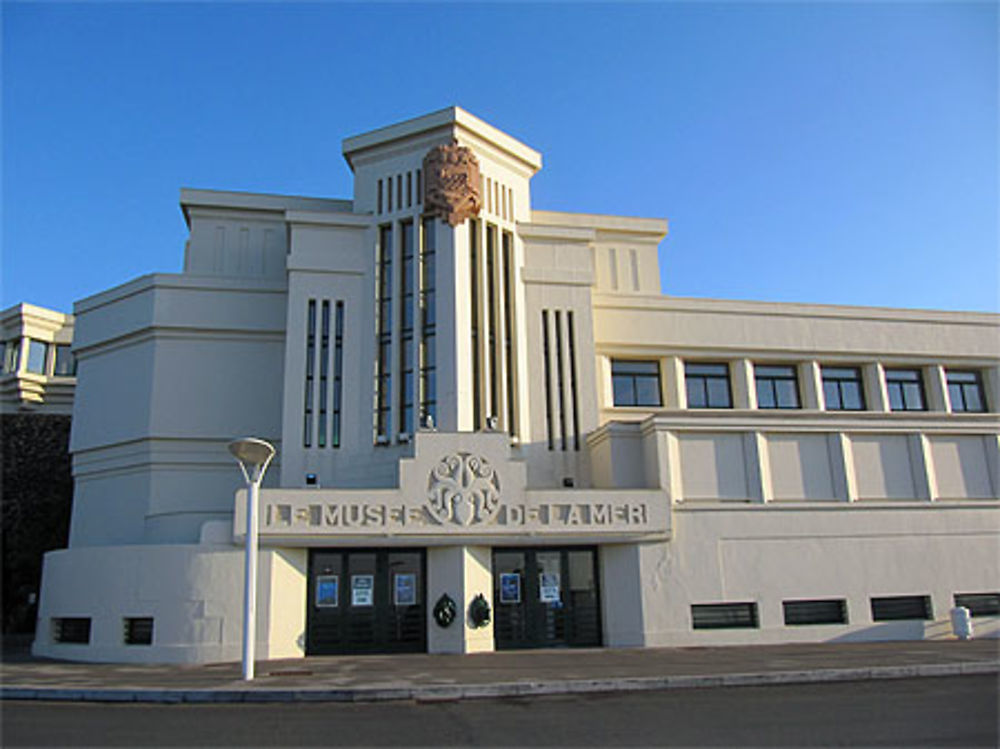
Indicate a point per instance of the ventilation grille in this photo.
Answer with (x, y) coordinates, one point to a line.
(724, 616)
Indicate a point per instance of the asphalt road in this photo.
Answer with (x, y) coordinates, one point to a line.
(945, 711)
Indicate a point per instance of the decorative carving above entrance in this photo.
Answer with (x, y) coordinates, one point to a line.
(463, 489)
(451, 183)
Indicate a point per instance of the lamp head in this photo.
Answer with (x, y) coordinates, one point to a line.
(253, 454)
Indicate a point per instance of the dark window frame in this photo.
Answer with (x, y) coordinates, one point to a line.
(837, 377)
(894, 608)
(896, 381)
(768, 382)
(814, 612)
(964, 382)
(979, 604)
(137, 630)
(725, 615)
(700, 376)
(627, 383)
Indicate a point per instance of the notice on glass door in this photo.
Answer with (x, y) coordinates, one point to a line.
(548, 587)
(405, 589)
(326, 591)
(510, 587)
(362, 590)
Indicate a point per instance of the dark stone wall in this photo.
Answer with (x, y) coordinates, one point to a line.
(36, 499)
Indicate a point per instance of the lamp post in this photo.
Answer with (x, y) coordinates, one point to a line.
(254, 455)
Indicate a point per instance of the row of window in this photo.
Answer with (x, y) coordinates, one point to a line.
(498, 199)
(491, 317)
(55, 360)
(637, 383)
(412, 327)
(322, 426)
(76, 630)
(743, 614)
(398, 192)
(729, 615)
(561, 408)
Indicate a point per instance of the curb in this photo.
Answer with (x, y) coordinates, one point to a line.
(430, 694)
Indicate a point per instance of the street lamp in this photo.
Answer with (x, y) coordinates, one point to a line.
(254, 455)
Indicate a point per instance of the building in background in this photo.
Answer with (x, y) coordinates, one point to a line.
(481, 406)
(37, 379)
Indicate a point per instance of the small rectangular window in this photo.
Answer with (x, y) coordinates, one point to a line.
(906, 389)
(842, 389)
(724, 616)
(825, 611)
(635, 383)
(38, 352)
(777, 386)
(707, 385)
(65, 362)
(11, 356)
(965, 391)
(138, 630)
(75, 630)
(894, 608)
(379, 199)
(979, 604)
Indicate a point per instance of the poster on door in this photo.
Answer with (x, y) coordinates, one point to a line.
(362, 590)
(326, 591)
(548, 587)
(510, 587)
(405, 589)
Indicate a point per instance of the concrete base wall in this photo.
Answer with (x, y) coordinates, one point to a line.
(193, 593)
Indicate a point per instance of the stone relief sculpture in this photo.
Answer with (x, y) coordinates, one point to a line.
(463, 489)
(451, 183)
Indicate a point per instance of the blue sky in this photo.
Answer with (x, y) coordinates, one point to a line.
(824, 152)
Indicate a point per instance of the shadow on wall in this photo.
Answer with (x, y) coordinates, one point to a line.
(938, 629)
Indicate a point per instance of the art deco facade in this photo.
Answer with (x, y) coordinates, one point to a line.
(475, 399)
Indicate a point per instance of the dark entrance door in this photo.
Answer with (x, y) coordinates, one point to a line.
(366, 601)
(546, 598)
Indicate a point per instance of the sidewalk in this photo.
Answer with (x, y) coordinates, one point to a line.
(505, 674)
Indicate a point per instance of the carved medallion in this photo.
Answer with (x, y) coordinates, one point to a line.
(463, 489)
(451, 183)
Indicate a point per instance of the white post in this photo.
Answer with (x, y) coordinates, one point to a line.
(253, 455)
(250, 578)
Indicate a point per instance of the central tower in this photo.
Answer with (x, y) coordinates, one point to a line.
(445, 192)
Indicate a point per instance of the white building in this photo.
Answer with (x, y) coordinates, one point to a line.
(606, 466)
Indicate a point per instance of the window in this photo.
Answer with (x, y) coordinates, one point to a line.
(310, 371)
(707, 385)
(842, 389)
(828, 611)
(777, 386)
(65, 365)
(75, 630)
(724, 616)
(507, 243)
(383, 309)
(407, 381)
(38, 352)
(635, 383)
(338, 372)
(138, 630)
(11, 356)
(965, 391)
(324, 372)
(894, 608)
(428, 319)
(547, 376)
(979, 604)
(906, 389)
